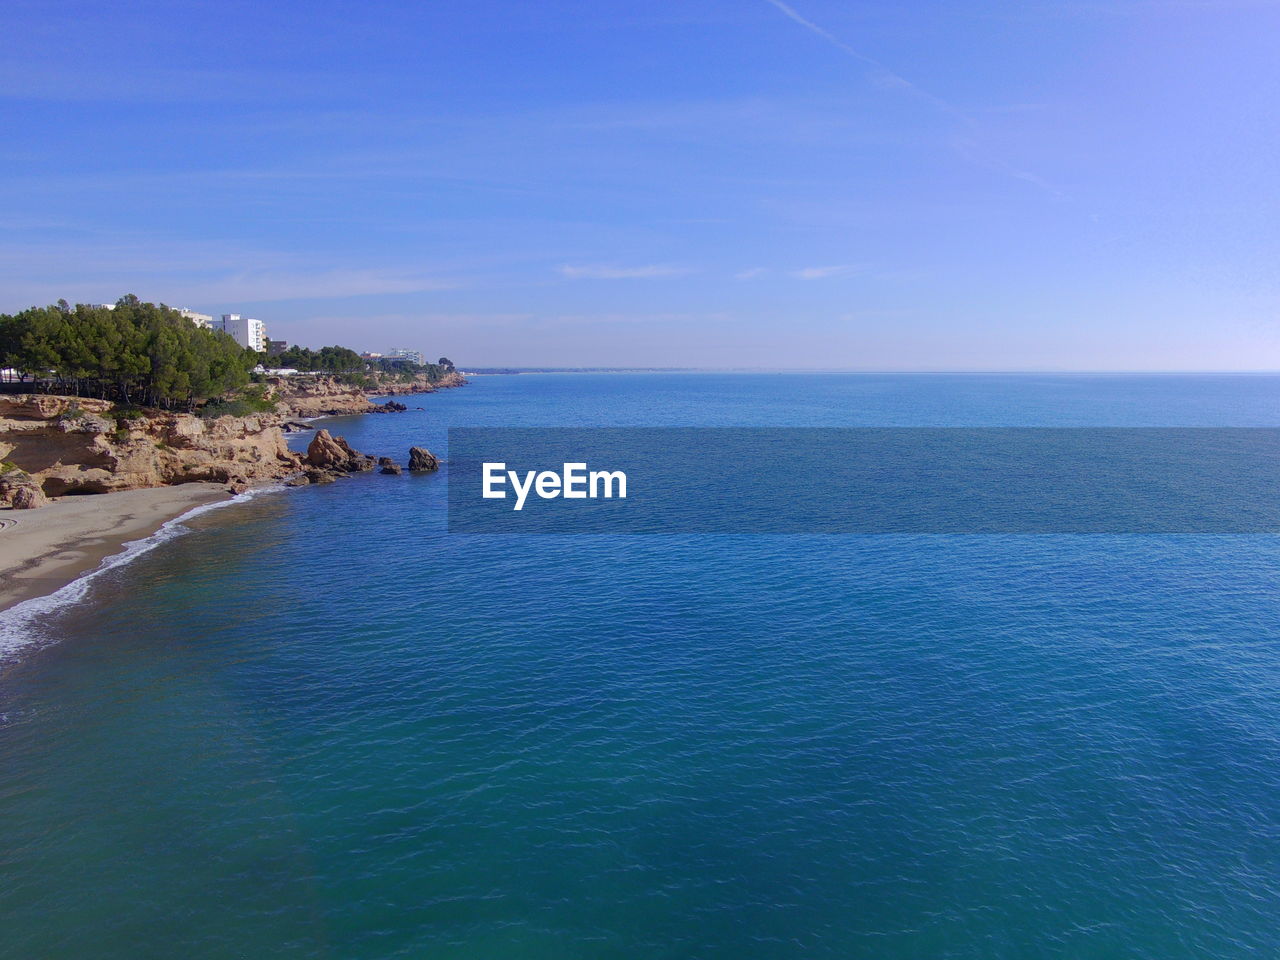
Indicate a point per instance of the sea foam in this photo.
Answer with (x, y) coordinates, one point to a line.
(23, 624)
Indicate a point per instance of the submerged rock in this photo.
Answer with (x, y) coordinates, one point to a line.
(422, 460)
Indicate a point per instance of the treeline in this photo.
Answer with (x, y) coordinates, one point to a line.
(349, 365)
(407, 370)
(138, 353)
(324, 360)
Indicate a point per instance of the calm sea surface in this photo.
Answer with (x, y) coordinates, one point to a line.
(318, 725)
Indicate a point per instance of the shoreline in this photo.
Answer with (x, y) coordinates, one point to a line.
(44, 550)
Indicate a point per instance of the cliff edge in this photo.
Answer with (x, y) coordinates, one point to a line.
(330, 396)
(68, 445)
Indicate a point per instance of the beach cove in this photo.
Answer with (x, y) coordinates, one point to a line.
(46, 549)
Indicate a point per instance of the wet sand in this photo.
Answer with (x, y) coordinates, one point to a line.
(44, 549)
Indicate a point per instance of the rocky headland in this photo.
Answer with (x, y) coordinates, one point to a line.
(53, 446)
(329, 396)
(155, 466)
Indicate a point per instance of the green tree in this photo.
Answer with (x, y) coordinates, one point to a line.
(135, 353)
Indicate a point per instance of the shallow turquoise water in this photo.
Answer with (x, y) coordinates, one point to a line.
(320, 726)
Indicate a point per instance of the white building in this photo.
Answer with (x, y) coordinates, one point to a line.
(277, 371)
(199, 319)
(403, 353)
(246, 331)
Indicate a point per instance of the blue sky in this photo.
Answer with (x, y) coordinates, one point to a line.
(902, 186)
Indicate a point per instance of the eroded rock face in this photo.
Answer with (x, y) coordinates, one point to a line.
(84, 423)
(43, 407)
(388, 466)
(70, 445)
(394, 388)
(422, 460)
(315, 396)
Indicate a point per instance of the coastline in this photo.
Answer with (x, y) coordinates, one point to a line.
(43, 550)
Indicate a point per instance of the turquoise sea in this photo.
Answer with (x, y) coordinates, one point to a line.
(319, 725)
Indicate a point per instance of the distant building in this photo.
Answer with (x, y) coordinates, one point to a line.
(245, 331)
(402, 353)
(277, 371)
(199, 319)
(276, 347)
(370, 356)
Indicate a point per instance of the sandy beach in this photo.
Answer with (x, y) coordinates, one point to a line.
(43, 549)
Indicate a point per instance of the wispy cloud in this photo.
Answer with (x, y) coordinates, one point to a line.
(880, 75)
(884, 78)
(824, 273)
(750, 274)
(607, 272)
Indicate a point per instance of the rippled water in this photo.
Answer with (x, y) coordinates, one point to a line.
(320, 726)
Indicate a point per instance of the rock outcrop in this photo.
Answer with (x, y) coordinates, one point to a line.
(328, 452)
(70, 445)
(422, 460)
(319, 396)
(20, 490)
(51, 446)
(388, 466)
(328, 396)
(396, 388)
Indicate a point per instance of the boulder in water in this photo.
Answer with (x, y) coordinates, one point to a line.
(422, 460)
(334, 453)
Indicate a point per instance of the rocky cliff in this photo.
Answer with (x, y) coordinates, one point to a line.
(392, 388)
(317, 397)
(308, 396)
(67, 445)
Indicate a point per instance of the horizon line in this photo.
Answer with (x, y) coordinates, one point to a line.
(1027, 371)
